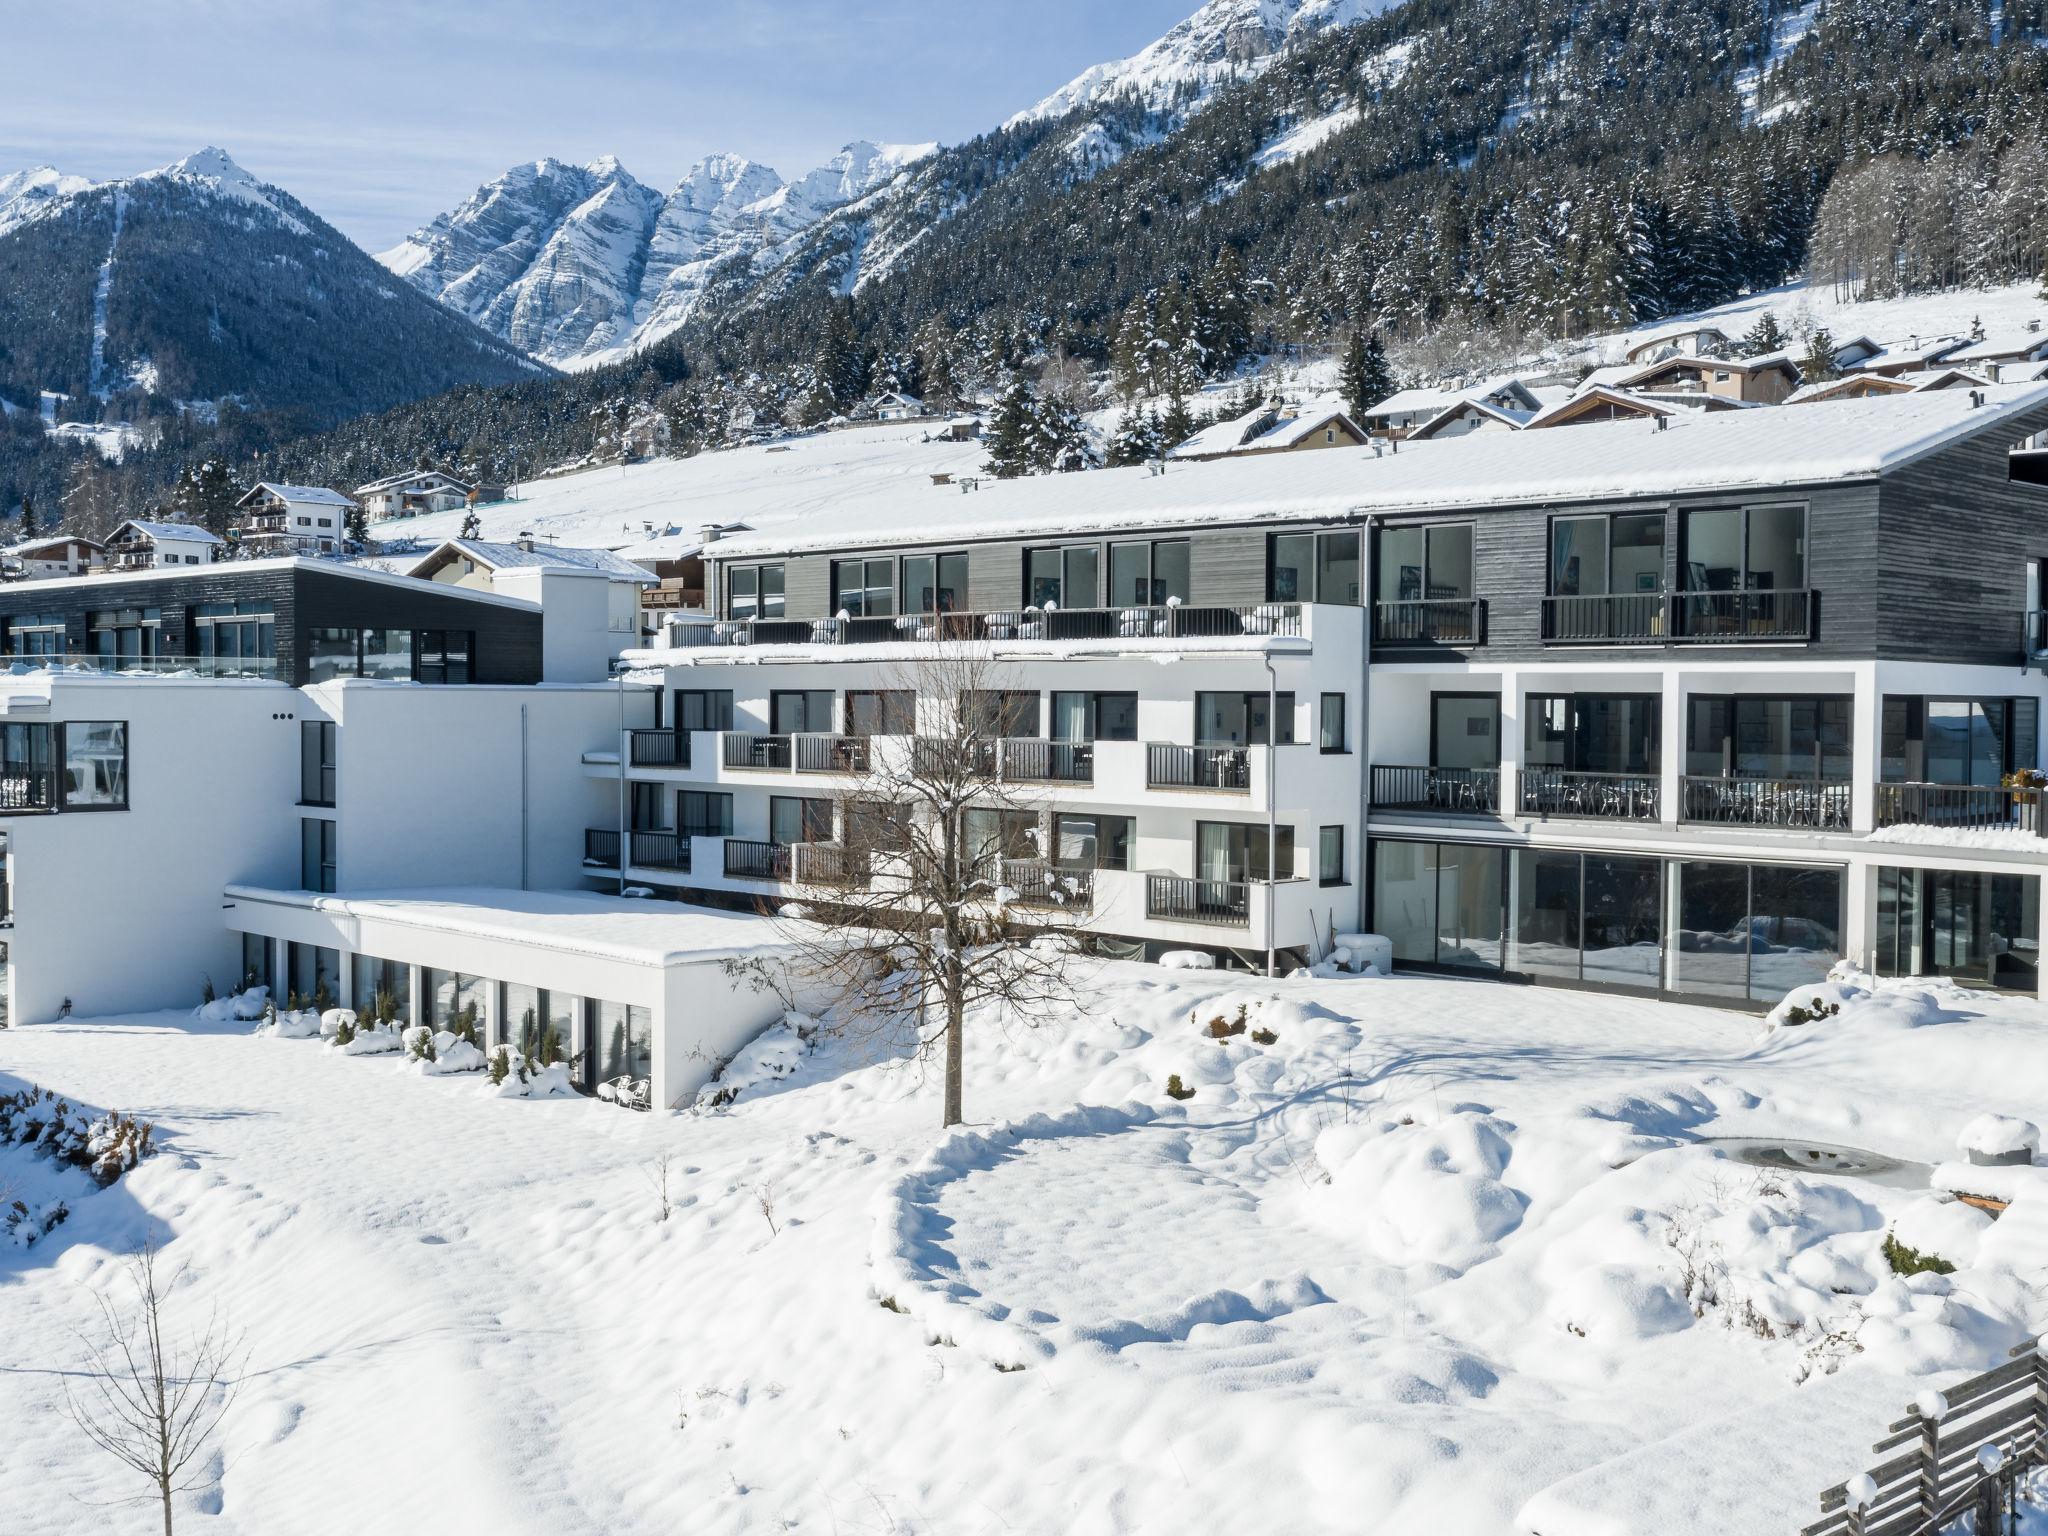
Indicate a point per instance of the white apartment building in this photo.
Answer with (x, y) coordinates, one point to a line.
(292, 519)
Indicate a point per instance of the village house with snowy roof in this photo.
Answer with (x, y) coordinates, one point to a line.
(57, 554)
(291, 519)
(1273, 429)
(420, 492)
(141, 545)
(1406, 409)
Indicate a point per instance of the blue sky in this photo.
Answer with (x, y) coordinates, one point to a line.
(378, 114)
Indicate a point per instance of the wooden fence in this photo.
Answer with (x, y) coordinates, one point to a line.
(1935, 1465)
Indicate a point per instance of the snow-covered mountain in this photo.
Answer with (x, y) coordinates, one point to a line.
(1225, 38)
(199, 281)
(576, 264)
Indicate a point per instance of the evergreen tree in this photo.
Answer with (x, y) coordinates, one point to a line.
(472, 523)
(355, 525)
(29, 526)
(1135, 440)
(1013, 432)
(1818, 365)
(1765, 337)
(1176, 426)
(1366, 378)
(1060, 441)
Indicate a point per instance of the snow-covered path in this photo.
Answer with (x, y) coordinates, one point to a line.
(1403, 1263)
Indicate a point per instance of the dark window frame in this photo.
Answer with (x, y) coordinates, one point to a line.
(317, 771)
(63, 768)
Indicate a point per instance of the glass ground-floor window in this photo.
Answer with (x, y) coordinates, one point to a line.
(1741, 932)
(1964, 924)
(547, 1026)
(255, 962)
(452, 997)
(383, 988)
(624, 1037)
(313, 973)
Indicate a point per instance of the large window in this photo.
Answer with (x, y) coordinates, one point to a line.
(1313, 568)
(313, 972)
(1233, 852)
(881, 712)
(316, 854)
(1603, 556)
(1239, 719)
(1330, 856)
(1754, 931)
(130, 634)
(1330, 724)
(1464, 730)
(547, 1026)
(1747, 549)
(625, 1041)
(95, 765)
(864, 588)
(703, 709)
(756, 592)
(446, 656)
(1958, 741)
(795, 711)
(995, 834)
(648, 807)
(232, 632)
(934, 583)
(1969, 926)
(1094, 842)
(450, 997)
(1429, 563)
(703, 813)
(388, 981)
(331, 653)
(1065, 577)
(1594, 732)
(387, 654)
(1002, 713)
(1769, 738)
(799, 819)
(1147, 574)
(316, 762)
(1094, 717)
(36, 634)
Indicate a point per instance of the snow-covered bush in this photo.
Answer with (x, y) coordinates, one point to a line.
(237, 1008)
(1188, 960)
(368, 1039)
(774, 1054)
(293, 1024)
(515, 1075)
(334, 1020)
(1937, 1234)
(419, 1043)
(441, 1053)
(21, 1225)
(106, 1146)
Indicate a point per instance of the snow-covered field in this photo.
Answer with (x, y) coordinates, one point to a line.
(1406, 1264)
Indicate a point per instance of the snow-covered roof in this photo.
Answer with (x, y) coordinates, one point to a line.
(1432, 399)
(1693, 451)
(1294, 429)
(189, 533)
(298, 495)
(1510, 418)
(1779, 362)
(2017, 345)
(1910, 353)
(1224, 436)
(1606, 377)
(1849, 384)
(413, 477)
(50, 541)
(1671, 333)
(340, 568)
(623, 928)
(500, 557)
(897, 397)
(1565, 411)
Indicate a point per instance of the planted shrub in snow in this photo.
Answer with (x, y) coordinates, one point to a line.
(1176, 1089)
(771, 1056)
(21, 1226)
(106, 1146)
(515, 1075)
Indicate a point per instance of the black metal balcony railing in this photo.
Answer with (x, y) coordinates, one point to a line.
(1039, 883)
(1472, 791)
(1612, 796)
(832, 754)
(1739, 618)
(749, 860)
(28, 789)
(660, 749)
(1028, 760)
(832, 865)
(1962, 805)
(1816, 805)
(765, 752)
(1132, 622)
(1176, 898)
(1430, 621)
(661, 850)
(1169, 765)
(601, 847)
(1613, 618)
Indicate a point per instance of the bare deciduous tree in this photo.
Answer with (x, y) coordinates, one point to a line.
(152, 1405)
(940, 894)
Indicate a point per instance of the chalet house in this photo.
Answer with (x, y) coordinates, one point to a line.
(291, 519)
(1471, 416)
(1600, 403)
(1272, 429)
(1680, 341)
(893, 405)
(962, 429)
(1866, 386)
(2006, 357)
(1765, 380)
(61, 554)
(1911, 356)
(478, 563)
(418, 492)
(145, 546)
(1405, 410)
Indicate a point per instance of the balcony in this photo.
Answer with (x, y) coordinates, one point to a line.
(746, 859)
(1179, 899)
(661, 850)
(658, 749)
(1055, 887)
(769, 754)
(1453, 791)
(1968, 806)
(831, 754)
(1169, 621)
(1746, 618)
(600, 848)
(1605, 796)
(1615, 618)
(1028, 760)
(27, 789)
(1227, 770)
(264, 667)
(830, 865)
(1810, 805)
(1430, 621)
